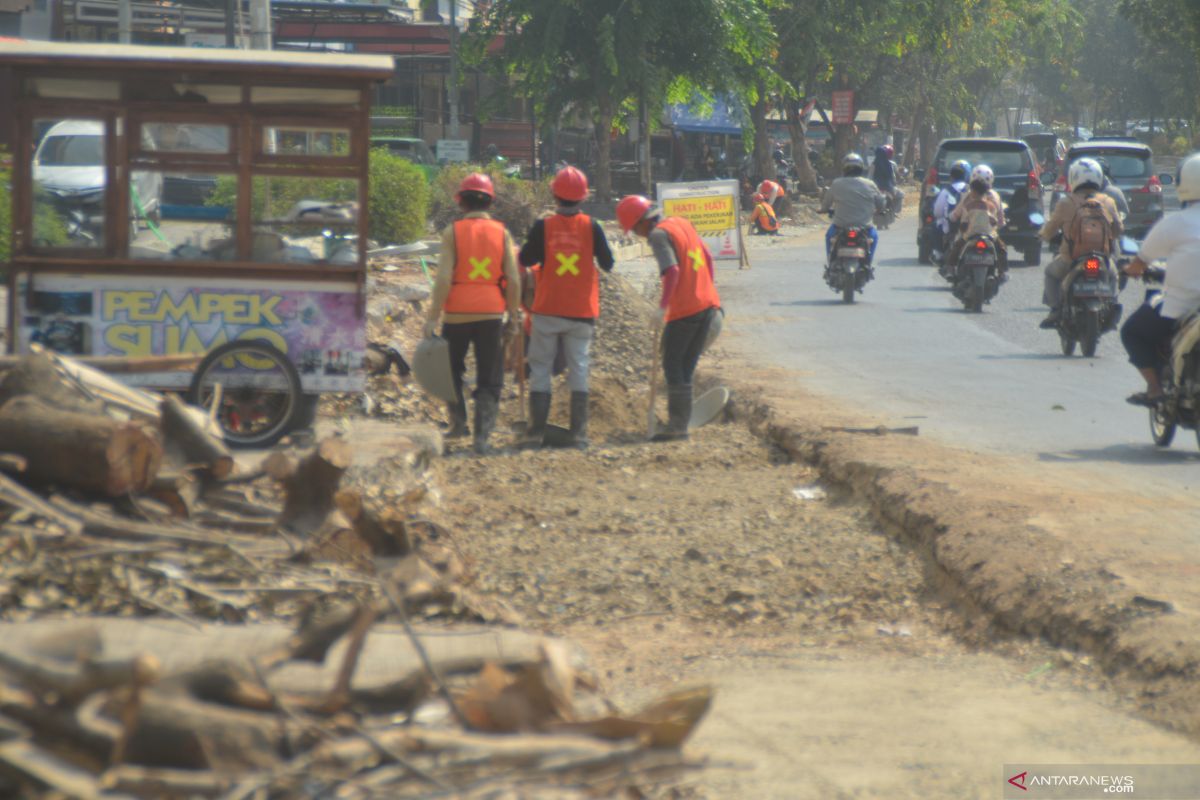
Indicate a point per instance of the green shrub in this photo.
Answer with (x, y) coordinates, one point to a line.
(518, 202)
(5, 215)
(399, 196)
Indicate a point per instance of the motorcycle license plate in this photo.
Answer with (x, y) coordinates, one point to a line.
(852, 252)
(1089, 289)
(971, 258)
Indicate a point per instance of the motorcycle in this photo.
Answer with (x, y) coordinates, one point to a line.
(977, 277)
(848, 269)
(1090, 303)
(1180, 406)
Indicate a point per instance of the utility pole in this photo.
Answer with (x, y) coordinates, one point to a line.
(453, 89)
(125, 21)
(260, 24)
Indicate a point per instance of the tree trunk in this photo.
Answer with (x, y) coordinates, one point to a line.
(91, 452)
(310, 485)
(798, 129)
(910, 149)
(604, 121)
(763, 163)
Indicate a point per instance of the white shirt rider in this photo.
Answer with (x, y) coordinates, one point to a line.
(942, 206)
(1176, 237)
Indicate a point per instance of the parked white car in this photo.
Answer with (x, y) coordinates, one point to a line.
(69, 165)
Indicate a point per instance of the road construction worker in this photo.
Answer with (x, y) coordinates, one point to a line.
(477, 281)
(979, 213)
(1086, 180)
(689, 300)
(774, 194)
(763, 217)
(570, 246)
(853, 200)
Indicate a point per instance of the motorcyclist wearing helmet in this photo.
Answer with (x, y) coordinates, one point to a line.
(883, 172)
(1086, 179)
(853, 200)
(1112, 190)
(1176, 239)
(950, 195)
(981, 212)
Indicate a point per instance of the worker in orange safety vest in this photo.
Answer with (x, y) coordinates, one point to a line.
(477, 282)
(572, 250)
(689, 300)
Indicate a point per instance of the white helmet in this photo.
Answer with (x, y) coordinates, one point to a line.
(1189, 179)
(982, 172)
(1084, 171)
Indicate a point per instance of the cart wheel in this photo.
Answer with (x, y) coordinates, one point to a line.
(259, 392)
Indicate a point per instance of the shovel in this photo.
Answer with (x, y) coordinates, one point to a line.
(652, 372)
(708, 407)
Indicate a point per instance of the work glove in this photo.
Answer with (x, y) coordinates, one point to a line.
(429, 329)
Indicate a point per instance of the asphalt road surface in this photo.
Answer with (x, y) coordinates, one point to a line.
(908, 352)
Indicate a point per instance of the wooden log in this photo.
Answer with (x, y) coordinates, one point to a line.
(17, 496)
(157, 782)
(310, 485)
(62, 777)
(11, 462)
(174, 730)
(122, 365)
(178, 491)
(188, 441)
(111, 392)
(89, 452)
(71, 682)
(385, 533)
(37, 375)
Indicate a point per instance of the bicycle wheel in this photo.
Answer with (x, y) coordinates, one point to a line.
(257, 387)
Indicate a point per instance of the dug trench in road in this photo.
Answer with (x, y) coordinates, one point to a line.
(845, 661)
(1093, 550)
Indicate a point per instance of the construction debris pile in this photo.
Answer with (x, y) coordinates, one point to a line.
(118, 503)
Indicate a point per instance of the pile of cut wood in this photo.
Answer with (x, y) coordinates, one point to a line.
(118, 503)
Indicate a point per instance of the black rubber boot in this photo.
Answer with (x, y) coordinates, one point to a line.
(458, 420)
(579, 419)
(539, 412)
(485, 421)
(679, 413)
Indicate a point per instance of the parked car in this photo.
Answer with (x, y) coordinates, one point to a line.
(1132, 166)
(68, 165)
(1017, 182)
(414, 150)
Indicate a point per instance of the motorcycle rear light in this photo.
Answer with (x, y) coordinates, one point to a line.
(981, 245)
(1092, 265)
(852, 235)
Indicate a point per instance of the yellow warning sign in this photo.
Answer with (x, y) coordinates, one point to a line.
(709, 215)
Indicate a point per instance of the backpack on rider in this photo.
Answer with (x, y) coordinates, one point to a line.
(1091, 230)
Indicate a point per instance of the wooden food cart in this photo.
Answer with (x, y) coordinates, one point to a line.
(172, 201)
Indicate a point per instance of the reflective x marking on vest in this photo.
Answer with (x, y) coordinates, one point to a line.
(566, 264)
(479, 268)
(697, 257)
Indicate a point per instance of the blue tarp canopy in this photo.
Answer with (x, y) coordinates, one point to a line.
(724, 119)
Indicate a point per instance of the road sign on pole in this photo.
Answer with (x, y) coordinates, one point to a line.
(842, 106)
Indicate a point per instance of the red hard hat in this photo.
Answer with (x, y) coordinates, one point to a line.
(765, 187)
(476, 182)
(631, 209)
(569, 184)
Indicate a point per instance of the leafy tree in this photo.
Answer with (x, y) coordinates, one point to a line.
(596, 56)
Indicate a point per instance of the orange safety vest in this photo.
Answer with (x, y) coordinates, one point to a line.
(695, 290)
(764, 215)
(478, 284)
(569, 283)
